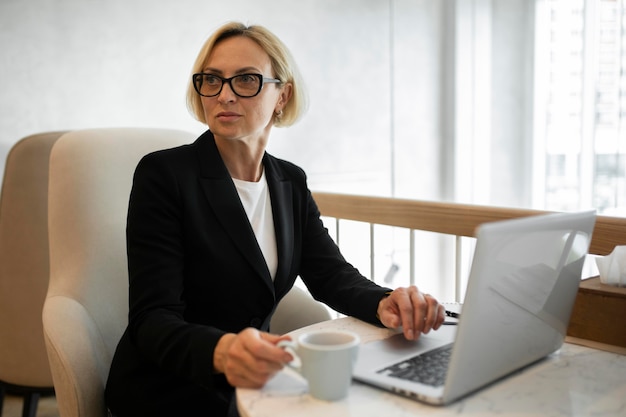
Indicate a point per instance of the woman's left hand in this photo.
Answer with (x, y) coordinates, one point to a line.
(415, 311)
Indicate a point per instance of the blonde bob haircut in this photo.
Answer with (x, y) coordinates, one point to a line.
(283, 65)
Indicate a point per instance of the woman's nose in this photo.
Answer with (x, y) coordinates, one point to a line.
(227, 93)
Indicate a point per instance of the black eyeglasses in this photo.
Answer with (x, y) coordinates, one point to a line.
(243, 85)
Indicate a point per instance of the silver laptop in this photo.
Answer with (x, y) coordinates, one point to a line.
(523, 281)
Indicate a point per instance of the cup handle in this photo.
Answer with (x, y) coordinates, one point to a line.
(291, 346)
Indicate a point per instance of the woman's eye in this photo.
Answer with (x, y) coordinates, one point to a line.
(247, 78)
(211, 79)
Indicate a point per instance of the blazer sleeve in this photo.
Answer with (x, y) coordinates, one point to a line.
(155, 246)
(327, 274)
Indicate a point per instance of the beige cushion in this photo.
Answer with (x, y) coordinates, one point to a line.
(297, 309)
(24, 267)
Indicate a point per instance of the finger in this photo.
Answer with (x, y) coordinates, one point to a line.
(264, 348)
(239, 371)
(411, 317)
(432, 313)
(273, 338)
(441, 316)
(246, 371)
(420, 311)
(248, 377)
(399, 311)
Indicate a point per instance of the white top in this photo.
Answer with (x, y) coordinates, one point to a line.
(255, 197)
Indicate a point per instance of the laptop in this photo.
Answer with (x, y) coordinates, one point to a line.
(521, 289)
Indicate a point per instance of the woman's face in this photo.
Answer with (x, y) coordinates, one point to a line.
(229, 116)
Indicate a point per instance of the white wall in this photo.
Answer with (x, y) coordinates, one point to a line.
(71, 64)
(383, 77)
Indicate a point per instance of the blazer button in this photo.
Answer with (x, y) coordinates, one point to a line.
(256, 322)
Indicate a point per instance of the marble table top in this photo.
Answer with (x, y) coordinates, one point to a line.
(575, 381)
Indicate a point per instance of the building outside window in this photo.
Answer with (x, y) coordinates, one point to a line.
(581, 105)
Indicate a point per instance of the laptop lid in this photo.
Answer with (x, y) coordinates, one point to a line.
(523, 282)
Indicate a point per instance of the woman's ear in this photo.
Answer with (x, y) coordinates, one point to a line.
(286, 92)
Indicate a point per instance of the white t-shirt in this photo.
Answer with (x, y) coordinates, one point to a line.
(255, 197)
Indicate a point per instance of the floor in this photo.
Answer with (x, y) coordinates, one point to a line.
(13, 407)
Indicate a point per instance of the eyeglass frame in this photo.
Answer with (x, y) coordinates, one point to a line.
(262, 81)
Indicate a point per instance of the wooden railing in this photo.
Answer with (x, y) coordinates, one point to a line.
(449, 218)
(597, 305)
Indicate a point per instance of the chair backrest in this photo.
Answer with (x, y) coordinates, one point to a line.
(24, 266)
(297, 309)
(86, 308)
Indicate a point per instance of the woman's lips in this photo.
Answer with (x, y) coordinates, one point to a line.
(227, 116)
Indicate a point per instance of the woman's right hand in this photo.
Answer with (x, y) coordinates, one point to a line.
(250, 358)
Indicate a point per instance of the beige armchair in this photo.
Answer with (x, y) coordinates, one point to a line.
(85, 311)
(86, 307)
(24, 270)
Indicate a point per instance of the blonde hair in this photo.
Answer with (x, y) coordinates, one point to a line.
(283, 65)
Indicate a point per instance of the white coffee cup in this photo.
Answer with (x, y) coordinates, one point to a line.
(325, 358)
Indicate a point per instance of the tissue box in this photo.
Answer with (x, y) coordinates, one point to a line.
(599, 313)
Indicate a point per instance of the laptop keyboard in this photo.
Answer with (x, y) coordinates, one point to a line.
(428, 368)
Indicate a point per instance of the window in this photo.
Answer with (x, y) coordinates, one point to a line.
(581, 105)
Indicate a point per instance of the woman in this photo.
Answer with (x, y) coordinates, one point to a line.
(218, 231)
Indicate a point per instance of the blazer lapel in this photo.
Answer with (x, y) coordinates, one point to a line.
(282, 211)
(222, 196)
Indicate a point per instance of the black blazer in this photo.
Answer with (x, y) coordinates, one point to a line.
(197, 272)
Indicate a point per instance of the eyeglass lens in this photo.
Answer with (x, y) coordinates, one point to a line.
(244, 85)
